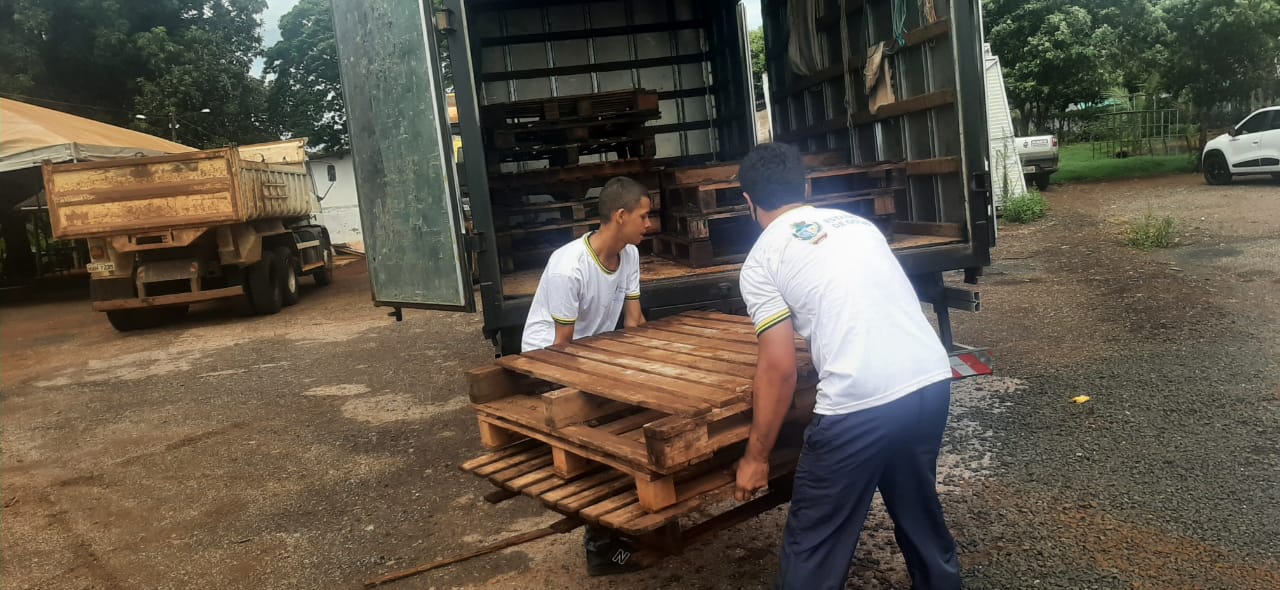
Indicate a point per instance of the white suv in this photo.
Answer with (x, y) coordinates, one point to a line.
(1252, 147)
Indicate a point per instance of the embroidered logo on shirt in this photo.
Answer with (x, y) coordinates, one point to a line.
(808, 231)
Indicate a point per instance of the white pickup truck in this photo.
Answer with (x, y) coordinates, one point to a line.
(1039, 157)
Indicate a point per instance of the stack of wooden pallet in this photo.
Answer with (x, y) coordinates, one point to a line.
(632, 429)
(707, 222)
(563, 128)
(536, 211)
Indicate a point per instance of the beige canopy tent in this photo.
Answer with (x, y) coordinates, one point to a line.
(30, 135)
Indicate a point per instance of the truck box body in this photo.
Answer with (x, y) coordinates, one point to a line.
(693, 54)
(180, 191)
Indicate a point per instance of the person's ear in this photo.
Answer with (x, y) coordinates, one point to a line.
(619, 215)
(748, 198)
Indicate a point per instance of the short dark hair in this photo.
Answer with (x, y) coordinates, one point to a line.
(620, 193)
(773, 175)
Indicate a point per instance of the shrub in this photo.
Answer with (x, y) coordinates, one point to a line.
(1025, 208)
(1152, 232)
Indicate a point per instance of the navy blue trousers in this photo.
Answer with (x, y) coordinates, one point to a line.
(845, 458)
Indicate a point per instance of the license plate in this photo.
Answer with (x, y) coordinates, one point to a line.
(100, 266)
(1028, 169)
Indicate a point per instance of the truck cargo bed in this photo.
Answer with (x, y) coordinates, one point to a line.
(194, 189)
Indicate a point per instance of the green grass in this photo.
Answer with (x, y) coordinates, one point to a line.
(1077, 164)
(1152, 232)
(1025, 208)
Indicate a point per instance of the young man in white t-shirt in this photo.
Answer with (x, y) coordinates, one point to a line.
(586, 285)
(884, 382)
(591, 281)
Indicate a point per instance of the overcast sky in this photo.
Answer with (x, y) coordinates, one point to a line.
(277, 8)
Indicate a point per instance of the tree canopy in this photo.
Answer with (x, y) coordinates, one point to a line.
(162, 59)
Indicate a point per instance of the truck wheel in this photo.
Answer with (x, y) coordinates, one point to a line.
(288, 276)
(1042, 181)
(1216, 170)
(324, 274)
(128, 320)
(265, 287)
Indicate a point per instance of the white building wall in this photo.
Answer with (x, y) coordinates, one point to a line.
(339, 211)
(1006, 168)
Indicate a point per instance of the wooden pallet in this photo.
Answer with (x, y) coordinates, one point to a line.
(827, 185)
(627, 125)
(607, 497)
(561, 155)
(649, 402)
(703, 253)
(578, 108)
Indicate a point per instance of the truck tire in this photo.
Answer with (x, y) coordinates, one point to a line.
(266, 290)
(1042, 181)
(1216, 170)
(128, 320)
(324, 275)
(288, 276)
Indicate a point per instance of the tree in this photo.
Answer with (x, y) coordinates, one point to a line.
(304, 99)
(1054, 55)
(111, 60)
(756, 40)
(1221, 51)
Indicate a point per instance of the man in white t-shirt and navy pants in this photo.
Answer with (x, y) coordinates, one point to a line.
(884, 382)
(586, 286)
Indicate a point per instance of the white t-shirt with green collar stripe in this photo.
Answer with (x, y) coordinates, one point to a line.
(833, 274)
(576, 289)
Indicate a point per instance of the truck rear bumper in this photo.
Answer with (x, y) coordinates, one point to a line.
(166, 300)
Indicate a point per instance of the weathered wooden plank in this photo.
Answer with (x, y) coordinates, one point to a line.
(659, 332)
(581, 485)
(595, 512)
(933, 166)
(620, 484)
(487, 458)
(531, 450)
(566, 407)
(495, 438)
(490, 382)
(515, 471)
(659, 366)
(722, 317)
(629, 462)
(605, 383)
(527, 412)
(656, 494)
(672, 357)
(703, 332)
(635, 338)
(621, 384)
(568, 465)
(524, 481)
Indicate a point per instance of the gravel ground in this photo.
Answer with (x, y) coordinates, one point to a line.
(318, 448)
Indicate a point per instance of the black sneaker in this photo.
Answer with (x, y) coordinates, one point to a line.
(608, 553)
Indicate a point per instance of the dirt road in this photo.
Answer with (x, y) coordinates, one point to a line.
(318, 448)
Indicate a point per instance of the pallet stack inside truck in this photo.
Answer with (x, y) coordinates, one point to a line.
(634, 430)
(548, 159)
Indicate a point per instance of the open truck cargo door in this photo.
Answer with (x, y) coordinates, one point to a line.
(407, 190)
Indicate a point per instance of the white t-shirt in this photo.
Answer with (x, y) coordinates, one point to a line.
(834, 275)
(577, 290)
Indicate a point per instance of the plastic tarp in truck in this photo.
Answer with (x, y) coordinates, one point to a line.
(190, 190)
(30, 135)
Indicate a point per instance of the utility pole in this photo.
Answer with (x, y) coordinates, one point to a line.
(173, 125)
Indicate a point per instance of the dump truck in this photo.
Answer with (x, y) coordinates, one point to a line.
(165, 232)
(886, 101)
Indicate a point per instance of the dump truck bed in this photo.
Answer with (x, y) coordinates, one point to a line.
(189, 190)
